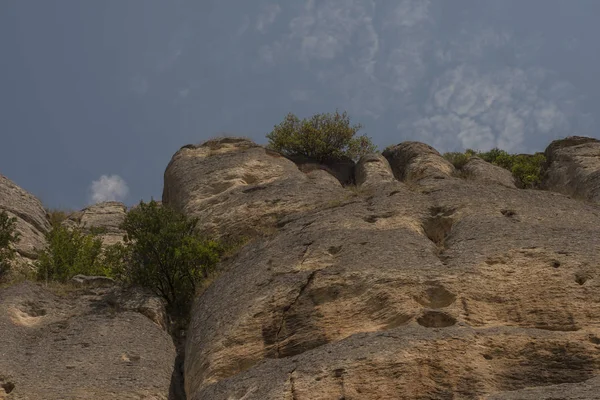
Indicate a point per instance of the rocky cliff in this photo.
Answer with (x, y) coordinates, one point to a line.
(105, 218)
(397, 278)
(418, 282)
(32, 221)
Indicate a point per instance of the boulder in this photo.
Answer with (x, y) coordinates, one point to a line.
(105, 217)
(573, 167)
(32, 221)
(373, 169)
(239, 189)
(426, 288)
(484, 172)
(75, 344)
(413, 161)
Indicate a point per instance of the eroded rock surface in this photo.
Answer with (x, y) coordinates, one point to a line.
(425, 287)
(82, 344)
(485, 172)
(105, 217)
(32, 222)
(238, 188)
(573, 167)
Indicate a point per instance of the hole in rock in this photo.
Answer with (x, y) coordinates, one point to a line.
(8, 387)
(594, 339)
(508, 213)
(436, 297)
(438, 228)
(581, 279)
(555, 263)
(333, 250)
(436, 319)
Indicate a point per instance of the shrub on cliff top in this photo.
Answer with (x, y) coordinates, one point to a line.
(322, 137)
(526, 169)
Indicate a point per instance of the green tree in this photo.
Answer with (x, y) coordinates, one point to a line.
(322, 137)
(8, 237)
(164, 253)
(70, 252)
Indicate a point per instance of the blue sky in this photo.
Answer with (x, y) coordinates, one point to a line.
(96, 96)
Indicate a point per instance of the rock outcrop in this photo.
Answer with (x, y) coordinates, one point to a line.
(32, 221)
(105, 217)
(427, 286)
(573, 167)
(100, 343)
(484, 172)
(240, 189)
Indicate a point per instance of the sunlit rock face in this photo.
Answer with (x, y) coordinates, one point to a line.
(415, 283)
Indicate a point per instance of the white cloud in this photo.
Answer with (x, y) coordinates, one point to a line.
(267, 17)
(108, 188)
(474, 85)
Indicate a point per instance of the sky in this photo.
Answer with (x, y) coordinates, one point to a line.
(96, 96)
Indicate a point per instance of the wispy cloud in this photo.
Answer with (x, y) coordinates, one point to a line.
(267, 17)
(474, 85)
(107, 188)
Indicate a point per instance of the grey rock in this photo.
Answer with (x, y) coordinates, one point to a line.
(32, 222)
(419, 288)
(78, 346)
(573, 167)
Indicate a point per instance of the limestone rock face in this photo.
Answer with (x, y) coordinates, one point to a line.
(573, 167)
(484, 172)
(238, 188)
(373, 169)
(80, 345)
(415, 288)
(106, 216)
(412, 161)
(32, 222)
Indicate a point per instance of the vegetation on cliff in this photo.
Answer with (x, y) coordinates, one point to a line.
(8, 236)
(161, 251)
(526, 168)
(322, 137)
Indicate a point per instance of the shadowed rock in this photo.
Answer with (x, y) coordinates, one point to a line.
(573, 167)
(413, 161)
(32, 221)
(484, 172)
(374, 169)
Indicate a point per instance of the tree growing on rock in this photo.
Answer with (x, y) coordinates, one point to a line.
(322, 137)
(164, 253)
(8, 237)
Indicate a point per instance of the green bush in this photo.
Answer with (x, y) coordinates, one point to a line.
(57, 216)
(164, 253)
(322, 137)
(70, 252)
(525, 168)
(8, 237)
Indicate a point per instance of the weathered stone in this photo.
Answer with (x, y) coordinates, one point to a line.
(78, 346)
(413, 161)
(32, 221)
(373, 169)
(484, 172)
(573, 167)
(240, 189)
(429, 288)
(105, 218)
